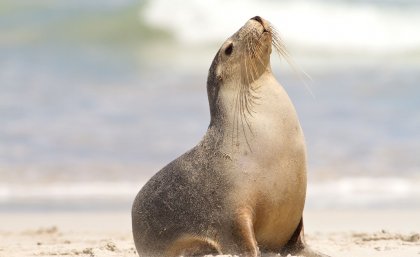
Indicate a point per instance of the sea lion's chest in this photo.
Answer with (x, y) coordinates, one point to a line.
(274, 167)
(274, 150)
(273, 181)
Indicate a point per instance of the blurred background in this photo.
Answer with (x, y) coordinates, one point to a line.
(96, 96)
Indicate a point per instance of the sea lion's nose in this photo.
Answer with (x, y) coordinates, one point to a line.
(261, 21)
(258, 18)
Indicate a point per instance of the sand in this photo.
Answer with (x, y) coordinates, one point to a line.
(338, 233)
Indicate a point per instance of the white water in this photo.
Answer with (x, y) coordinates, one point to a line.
(364, 192)
(346, 192)
(315, 25)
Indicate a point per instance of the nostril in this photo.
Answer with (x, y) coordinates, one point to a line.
(257, 18)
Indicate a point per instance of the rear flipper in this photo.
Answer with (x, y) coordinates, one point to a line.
(193, 246)
(297, 245)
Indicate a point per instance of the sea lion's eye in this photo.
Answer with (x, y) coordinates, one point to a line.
(229, 49)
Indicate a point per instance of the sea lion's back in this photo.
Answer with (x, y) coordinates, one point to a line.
(184, 198)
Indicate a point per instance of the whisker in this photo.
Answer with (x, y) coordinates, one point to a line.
(255, 47)
(235, 121)
(281, 50)
(253, 67)
(243, 115)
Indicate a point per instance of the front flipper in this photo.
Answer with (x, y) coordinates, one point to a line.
(297, 246)
(244, 229)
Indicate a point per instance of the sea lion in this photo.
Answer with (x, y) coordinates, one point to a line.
(242, 189)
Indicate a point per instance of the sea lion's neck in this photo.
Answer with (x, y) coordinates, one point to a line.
(242, 125)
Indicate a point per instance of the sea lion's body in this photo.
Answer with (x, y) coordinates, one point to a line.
(242, 188)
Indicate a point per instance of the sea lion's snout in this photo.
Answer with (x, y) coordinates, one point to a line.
(262, 22)
(258, 18)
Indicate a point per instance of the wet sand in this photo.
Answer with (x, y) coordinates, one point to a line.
(337, 233)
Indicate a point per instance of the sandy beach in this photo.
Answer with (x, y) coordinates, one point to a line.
(97, 96)
(337, 233)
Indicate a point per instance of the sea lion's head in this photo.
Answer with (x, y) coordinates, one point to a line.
(240, 61)
(244, 55)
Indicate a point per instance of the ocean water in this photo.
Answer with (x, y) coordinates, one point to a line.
(95, 97)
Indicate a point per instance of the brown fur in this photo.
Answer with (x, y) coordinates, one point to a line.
(242, 189)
